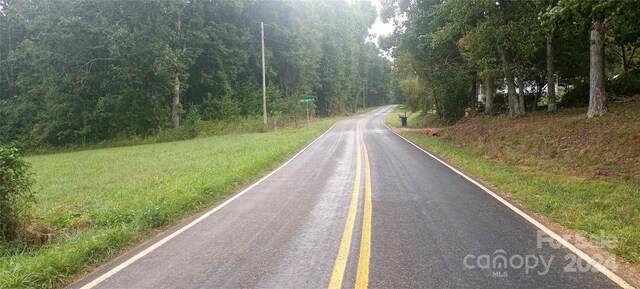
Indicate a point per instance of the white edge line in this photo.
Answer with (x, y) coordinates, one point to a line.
(604, 270)
(196, 221)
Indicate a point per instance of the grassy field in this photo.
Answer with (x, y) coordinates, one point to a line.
(188, 130)
(94, 203)
(595, 206)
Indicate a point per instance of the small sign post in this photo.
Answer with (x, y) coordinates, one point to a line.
(307, 101)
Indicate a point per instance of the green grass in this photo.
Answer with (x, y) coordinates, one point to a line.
(96, 203)
(200, 128)
(594, 206)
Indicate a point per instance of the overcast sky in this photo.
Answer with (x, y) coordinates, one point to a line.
(381, 28)
(378, 28)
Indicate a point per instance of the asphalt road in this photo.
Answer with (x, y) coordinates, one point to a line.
(359, 207)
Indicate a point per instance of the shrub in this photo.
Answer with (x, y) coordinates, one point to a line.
(453, 98)
(500, 102)
(221, 108)
(578, 96)
(16, 195)
(626, 84)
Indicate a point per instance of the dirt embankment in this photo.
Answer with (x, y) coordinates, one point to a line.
(565, 142)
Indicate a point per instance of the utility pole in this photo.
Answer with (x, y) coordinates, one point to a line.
(264, 83)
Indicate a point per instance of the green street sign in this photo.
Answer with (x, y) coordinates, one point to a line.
(305, 100)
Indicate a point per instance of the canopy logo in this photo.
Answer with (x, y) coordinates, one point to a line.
(502, 263)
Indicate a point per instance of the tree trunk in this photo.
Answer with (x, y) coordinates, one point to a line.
(506, 54)
(537, 96)
(474, 97)
(521, 94)
(175, 104)
(425, 107)
(154, 97)
(551, 80)
(436, 103)
(489, 92)
(625, 67)
(355, 103)
(514, 103)
(285, 89)
(597, 96)
(626, 59)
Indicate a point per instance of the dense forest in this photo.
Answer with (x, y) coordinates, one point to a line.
(525, 55)
(83, 71)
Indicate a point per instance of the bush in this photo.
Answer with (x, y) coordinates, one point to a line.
(625, 85)
(500, 102)
(16, 195)
(222, 108)
(452, 99)
(578, 96)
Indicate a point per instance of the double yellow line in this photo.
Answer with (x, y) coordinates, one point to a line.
(362, 277)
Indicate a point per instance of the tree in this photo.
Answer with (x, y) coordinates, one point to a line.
(601, 17)
(526, 44)
(551, 73)
(597, 95)
(15, 192)
(79, 71)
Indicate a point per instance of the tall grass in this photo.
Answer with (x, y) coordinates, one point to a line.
(190, 129)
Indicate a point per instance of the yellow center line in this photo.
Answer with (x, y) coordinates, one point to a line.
(362, 278)
(343, 252)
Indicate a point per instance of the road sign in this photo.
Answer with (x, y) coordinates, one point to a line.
(306, 100)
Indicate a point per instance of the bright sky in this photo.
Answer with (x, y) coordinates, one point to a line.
(380, 29)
